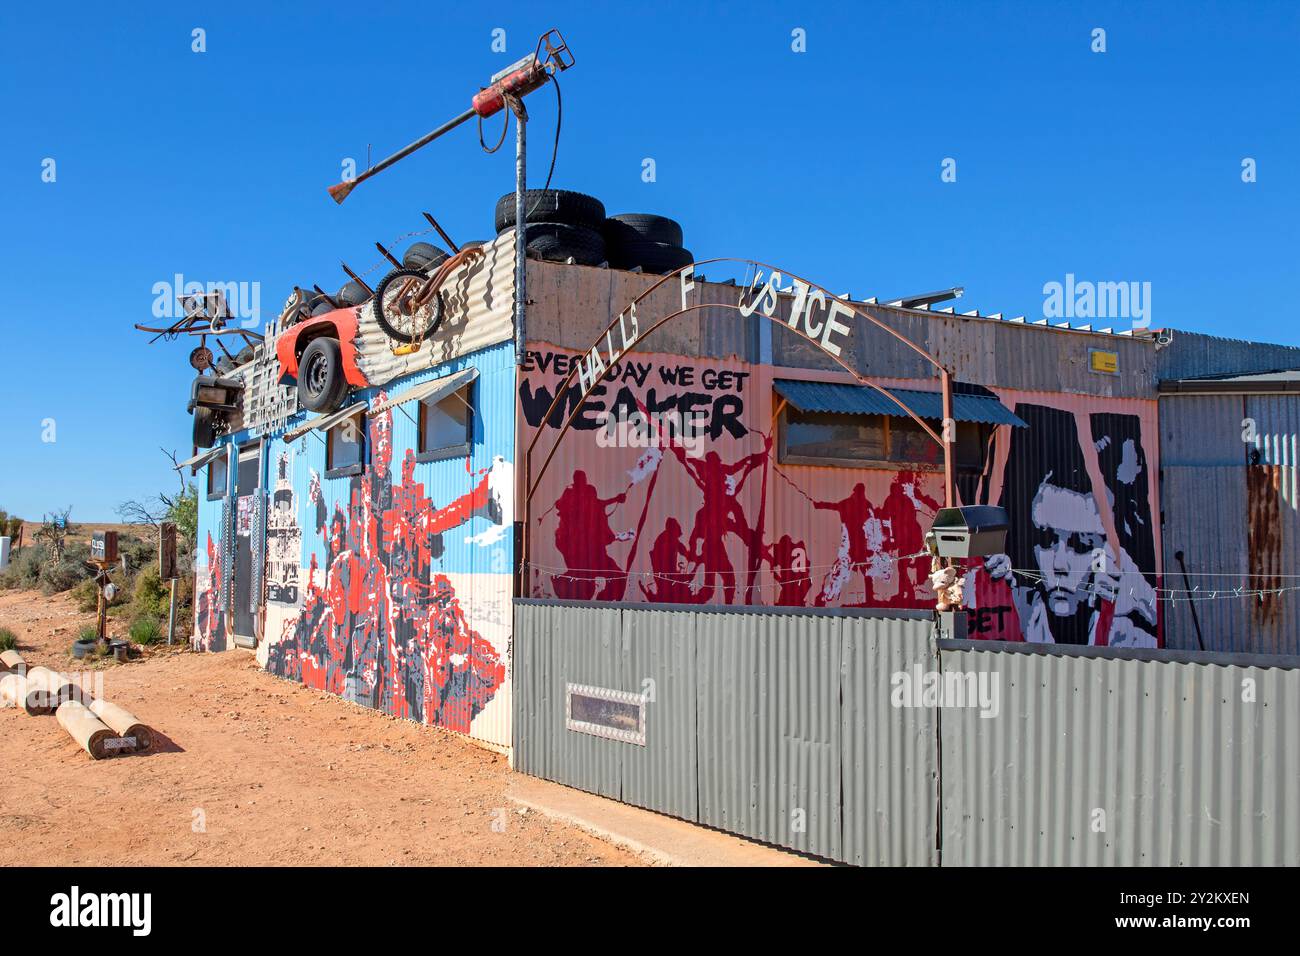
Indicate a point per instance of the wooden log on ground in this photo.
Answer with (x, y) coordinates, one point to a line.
(124, 723)
(85, 728)
(12, 662)
(13, 690)
(47, 689)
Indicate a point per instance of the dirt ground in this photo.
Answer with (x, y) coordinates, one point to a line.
(252, 770)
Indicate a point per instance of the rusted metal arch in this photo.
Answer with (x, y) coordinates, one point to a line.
(531, 485)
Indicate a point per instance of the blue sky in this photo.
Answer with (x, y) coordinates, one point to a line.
(1120, 166)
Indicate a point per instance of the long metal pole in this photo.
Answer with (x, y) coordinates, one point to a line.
(521, 230)
(521, 298)
(341, 190)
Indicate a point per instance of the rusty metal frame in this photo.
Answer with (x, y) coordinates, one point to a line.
(531, 484)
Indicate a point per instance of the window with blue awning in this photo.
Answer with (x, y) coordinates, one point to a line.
(833, 424)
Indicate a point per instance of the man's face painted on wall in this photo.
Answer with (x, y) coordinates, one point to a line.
(1068, 532)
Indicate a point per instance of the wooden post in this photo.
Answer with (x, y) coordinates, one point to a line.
(101, 616)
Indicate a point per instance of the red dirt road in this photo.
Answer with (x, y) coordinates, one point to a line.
(252, 770)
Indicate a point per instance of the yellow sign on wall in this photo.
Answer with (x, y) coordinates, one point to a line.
(1107, 362)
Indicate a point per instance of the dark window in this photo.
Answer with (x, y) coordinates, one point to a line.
(345, 447)
(218, 477)
(446, 426)
(829, 438)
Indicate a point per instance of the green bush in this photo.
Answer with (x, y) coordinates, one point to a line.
(151, 596)
(146, 630)
(63, 576)
(8, 639)
(24, 571)
(88, 633)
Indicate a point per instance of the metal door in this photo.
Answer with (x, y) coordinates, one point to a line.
(248, 549)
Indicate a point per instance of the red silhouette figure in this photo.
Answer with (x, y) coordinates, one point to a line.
(855, 549)
(789, 560)
(907, 534)
(583, 537)
(720, 514)
(673, 566)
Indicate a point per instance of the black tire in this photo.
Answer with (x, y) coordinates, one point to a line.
(321, 385)
(423, 255)
(643, 225)
(320, 308)
(552, 205)
(81, 648)
(656, 257)
(558, 242)
(353, 293)
(387, 309)
(205, 429)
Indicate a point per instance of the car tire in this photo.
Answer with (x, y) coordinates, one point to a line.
(551, 205)
(321, 385)
(205, 428)
(423, 255)
(655, 257)
(558, 242)
(352, 294)
(646, 226)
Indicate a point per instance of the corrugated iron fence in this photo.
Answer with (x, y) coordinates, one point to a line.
(776, 726)
(860, 738)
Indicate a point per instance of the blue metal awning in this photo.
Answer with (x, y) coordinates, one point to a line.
(862, 400)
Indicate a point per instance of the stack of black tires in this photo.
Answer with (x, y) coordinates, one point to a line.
(645, 241)
(563, 226)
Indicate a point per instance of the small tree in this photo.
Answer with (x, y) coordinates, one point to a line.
(54, 533)
(180, 508)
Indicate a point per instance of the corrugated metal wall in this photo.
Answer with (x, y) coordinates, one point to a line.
(776, 726)
(1231, 506)
(1103, 762)
(1193, 355)
(570, 306)
(809, 730)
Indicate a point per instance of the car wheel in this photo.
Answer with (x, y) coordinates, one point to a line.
(321, 385)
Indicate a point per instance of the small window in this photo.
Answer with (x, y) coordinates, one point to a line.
(602, 712)
(218, 477)
(827, 438)
(446, 426)
(345, 447)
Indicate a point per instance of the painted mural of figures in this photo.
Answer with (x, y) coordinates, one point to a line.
(861, 548)
(210, 619)
(583, 537)
(906, 506)
(673, 567)
(1069, 583)
(789, 561)
(720, 514)
(383, 628)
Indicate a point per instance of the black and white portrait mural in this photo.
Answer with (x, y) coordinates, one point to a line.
(1080, 561)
